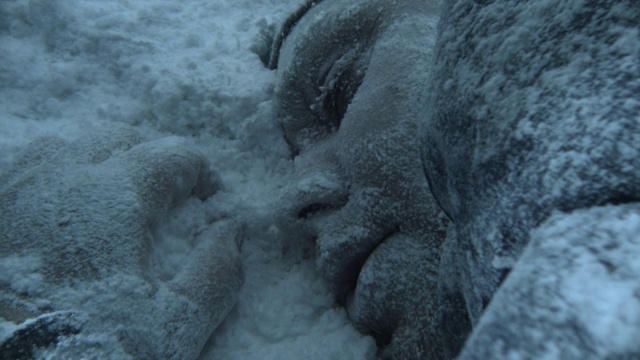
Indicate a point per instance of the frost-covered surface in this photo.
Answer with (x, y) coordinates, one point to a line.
(71, 68)
(76, 220)
(536, 109)
(531, 129)
(580, 280)
(358, 193)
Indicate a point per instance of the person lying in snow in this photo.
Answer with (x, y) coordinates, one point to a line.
(348, 100)
(530, 141)
(75, 251)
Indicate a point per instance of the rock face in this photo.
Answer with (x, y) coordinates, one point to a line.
(534, 109)
(349, 99)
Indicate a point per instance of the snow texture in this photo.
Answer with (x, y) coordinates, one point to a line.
(535, 109)
(529, 139)
(72, 70)
(76, 222)
(580, 279)
(350, 79)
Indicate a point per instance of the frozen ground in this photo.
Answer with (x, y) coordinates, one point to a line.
(180, 68)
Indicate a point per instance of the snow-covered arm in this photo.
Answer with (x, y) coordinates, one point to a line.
(76, 224)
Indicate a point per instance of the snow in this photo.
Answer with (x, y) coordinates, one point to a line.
(71, 68)
(579, 278)
(538, 109)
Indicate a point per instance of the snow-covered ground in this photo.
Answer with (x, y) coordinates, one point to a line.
(69, 67)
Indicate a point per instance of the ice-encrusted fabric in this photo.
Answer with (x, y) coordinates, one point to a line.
(578, 283)
(535, 108)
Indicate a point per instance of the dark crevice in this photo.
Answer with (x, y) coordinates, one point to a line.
(341, 83)
(319, 207)
(312, 209)
(40, 333)
(295, 150)
(348, 278)
(288, 24)
(622, 199)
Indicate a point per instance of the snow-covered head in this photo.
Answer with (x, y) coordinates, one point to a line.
(351, 76)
